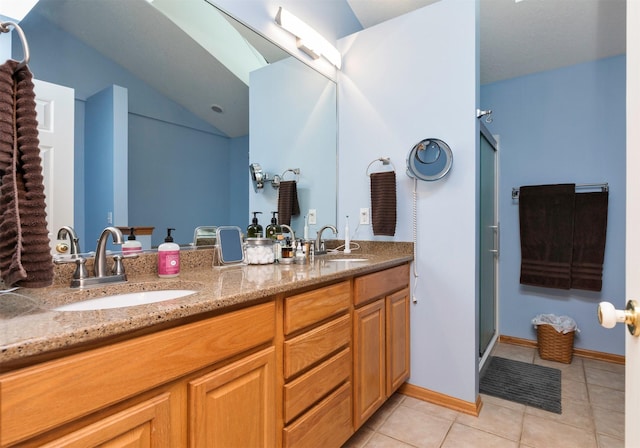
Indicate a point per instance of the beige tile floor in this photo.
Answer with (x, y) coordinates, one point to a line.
(592, 415)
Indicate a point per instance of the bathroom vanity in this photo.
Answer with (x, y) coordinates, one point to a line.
(260, 356)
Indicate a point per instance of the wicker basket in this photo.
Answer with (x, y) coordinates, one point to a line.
(553, 345)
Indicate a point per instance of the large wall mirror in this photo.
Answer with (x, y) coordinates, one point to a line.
(194, 117)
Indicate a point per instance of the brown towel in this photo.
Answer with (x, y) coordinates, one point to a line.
(25, 257)
(287, 201)
(546, 235)
(383, 203)
(589, 237)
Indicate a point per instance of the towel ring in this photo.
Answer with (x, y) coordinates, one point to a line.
(384, 160)
(295, 171)
(275, 182)
(4, 28)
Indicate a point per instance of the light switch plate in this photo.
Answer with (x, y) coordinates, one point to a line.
(311, 217)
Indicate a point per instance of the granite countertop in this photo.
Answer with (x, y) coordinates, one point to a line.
(30, 327)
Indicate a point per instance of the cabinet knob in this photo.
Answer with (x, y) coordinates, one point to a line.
(609, 316)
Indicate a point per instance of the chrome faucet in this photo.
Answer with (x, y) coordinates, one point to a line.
(74, 245)
(320, 248)
(100, 263)
(81, 278)
(290, 230)
(74, 253)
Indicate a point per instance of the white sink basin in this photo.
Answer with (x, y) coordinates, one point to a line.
(125, 300)
(347, 259)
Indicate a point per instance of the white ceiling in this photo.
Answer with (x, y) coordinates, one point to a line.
(522, 37)
(516, 38)
(141, 39)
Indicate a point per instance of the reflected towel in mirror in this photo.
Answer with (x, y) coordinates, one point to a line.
(288, 205)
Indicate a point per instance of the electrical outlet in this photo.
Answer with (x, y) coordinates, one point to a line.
(311, 217)
(364, 216)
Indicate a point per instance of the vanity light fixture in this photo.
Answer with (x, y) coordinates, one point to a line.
(308, 39)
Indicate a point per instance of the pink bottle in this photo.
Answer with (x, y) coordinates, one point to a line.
(168, 257)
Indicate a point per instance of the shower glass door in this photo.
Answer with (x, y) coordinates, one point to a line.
(489, 240)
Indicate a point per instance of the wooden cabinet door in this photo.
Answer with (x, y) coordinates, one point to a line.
(234, 406)
(147, 424)
(398, 337)
(369, 369)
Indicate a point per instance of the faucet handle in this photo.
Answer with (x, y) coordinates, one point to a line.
(118, 265)
(81, 270)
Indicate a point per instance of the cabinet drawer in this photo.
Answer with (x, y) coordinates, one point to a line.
(301, 393)
(308, 348)
(379, 284)
(327, 425)
(104, 376)
(305, 309)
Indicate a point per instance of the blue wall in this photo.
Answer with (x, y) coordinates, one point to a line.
(175, 175)
(306, 102)
(388, 101)
(204, 154)
(239, 181)
(106, 145)
(565, 125)
(5, 42)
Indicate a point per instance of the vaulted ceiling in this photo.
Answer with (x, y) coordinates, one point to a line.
(516, 38)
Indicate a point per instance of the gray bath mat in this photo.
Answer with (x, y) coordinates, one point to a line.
(525, 383)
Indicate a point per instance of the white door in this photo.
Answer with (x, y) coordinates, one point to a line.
(632, 274)
(55, 114)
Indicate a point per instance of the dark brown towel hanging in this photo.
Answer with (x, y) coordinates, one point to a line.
(589, 237)
(25, 257)
(546, 235)
(287, 201)
(383, 203)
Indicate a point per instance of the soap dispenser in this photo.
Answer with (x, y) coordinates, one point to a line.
(168, 257)
(254, 230)
(273, 229)
(131, 246)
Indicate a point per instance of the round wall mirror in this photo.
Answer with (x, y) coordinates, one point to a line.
(430, 159)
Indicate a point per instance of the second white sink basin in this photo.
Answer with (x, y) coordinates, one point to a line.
(126, 300)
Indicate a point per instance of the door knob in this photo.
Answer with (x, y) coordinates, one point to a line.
(608, 316)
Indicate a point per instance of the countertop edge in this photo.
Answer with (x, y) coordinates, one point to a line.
(36, 331)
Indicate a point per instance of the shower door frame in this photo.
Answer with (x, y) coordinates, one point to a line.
(485, 345)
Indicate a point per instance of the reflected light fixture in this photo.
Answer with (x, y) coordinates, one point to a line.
(308, 39)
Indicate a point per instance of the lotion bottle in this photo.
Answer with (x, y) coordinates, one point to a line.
(254, 230)
(131, 246)
(168, 257)
(273, 229)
